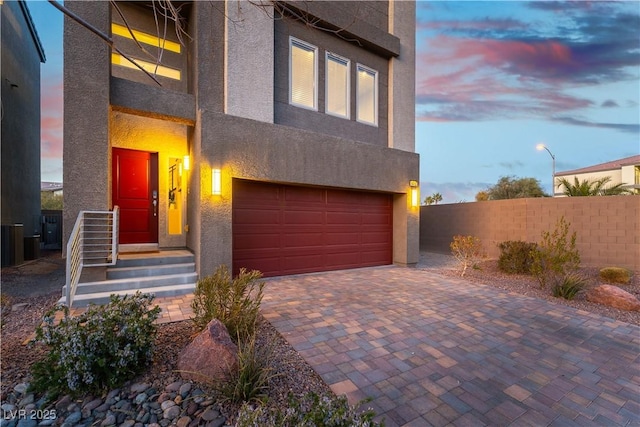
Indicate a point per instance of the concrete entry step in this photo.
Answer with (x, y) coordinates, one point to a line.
(162, 273)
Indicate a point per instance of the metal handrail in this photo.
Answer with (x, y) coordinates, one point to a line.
(75, 249)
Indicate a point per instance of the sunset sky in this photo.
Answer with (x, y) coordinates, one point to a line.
(493, 79)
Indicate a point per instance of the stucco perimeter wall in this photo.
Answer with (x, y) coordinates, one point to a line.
(608, 228)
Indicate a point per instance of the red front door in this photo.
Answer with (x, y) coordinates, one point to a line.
(135, 191)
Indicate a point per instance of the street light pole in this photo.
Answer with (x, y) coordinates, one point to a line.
(541, 147)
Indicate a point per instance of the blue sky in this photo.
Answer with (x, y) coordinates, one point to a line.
(493, 79)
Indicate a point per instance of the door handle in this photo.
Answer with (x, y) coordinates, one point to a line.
(155, 207)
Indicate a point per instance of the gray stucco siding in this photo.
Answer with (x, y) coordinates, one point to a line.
(365, 21)
(256, 150)
(319, 121)
(152, 101)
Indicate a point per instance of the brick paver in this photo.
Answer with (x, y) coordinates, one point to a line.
(433, 350)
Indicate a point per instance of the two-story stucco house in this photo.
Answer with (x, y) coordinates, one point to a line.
(281, 137)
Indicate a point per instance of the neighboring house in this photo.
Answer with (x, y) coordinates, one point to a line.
(21, 55)
(272, 144)
(626, 171)
(51, 187)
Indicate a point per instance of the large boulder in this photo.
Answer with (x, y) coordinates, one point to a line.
(210, 356)
(613, 296)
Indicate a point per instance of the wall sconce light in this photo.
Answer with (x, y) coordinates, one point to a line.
(414, 193)
(216, 182)
(185, 163)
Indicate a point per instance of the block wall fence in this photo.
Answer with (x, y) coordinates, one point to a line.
(607, 227)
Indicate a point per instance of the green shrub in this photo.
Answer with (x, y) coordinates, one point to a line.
(467, 250)
(515, 257)
(310, 410)
(556, 256)
(616, 275)
(97, 350)
(570, 286)
(249, 383)
(234, 302)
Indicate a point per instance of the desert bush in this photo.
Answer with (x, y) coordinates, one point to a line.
(310, 410)
(569, 286)
(515, 257)
(615, 275)
(556, 256)
(97, 350)
(467, 250)
(234, 302)
(250, 381)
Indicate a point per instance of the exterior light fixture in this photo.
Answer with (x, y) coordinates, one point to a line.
(216, 182)
(414, 193)
(541, 147)
(185, 163)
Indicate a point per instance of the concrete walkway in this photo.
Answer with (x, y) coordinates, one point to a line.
(438, 351)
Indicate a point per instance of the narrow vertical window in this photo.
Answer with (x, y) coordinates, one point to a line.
(303, 77)
(367, 95)
(337, 85)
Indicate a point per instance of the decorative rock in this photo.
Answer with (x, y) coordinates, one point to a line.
(21, 388)
(127, 423)
(174, 386)
(141, 398)
(192, 408)
(73, 418)
(185, 389)
(178, 400)
(93, 404)
(167, 404)
(210, 414)
(63, 403)
(27, 422)
(109, 420)
(183, 421)
(210, 356)
(171, 413)
(29, 398)
(613, 296)
(7, 408)
(139, 388)
(18, 307)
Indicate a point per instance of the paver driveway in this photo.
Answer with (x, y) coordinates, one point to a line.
(433, 350)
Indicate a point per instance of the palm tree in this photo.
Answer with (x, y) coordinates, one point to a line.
(437, 197)
(595, 187)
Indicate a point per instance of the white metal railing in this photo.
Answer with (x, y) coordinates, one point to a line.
(93, 242)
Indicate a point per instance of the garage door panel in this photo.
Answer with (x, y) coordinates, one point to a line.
(342, 238)
(256, 216)
(343, 218)
(256, 241)
(303, 217)
(303, 240)
(303, 195)
(376, 237)
(281, 229)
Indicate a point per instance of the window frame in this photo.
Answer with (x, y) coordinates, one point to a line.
(376, 83)
(330, 56)
(303, 45)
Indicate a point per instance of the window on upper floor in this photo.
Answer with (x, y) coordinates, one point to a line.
(338, 85)
(303, 81)
(367, 95)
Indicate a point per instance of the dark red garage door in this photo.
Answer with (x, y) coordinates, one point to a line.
(282, 229)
